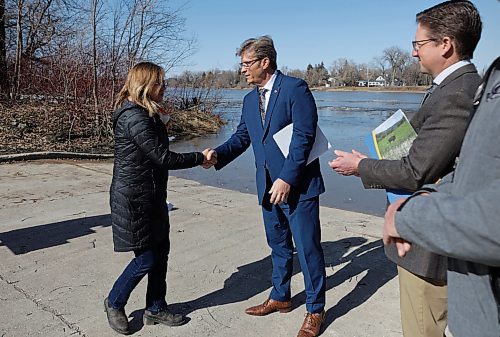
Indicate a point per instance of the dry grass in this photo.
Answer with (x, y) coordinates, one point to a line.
(192, 123)
(32, 126)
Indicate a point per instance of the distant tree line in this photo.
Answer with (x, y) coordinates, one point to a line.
(396, 66)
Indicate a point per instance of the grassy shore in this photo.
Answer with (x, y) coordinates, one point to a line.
(39, 126)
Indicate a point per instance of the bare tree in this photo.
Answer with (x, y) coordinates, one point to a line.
(365, 72)
(145, 29)
(47, 24)
(19, 50)
(4, 83)
(344, 72)
(413, 76)
(404, 63)
(45, 54)
(38, 25)
(294, 72)
(117, 36)
(381, 64)
(155, 31)
(316, 75)
(95, 8)
(38, 32)
(199, 91)
(397, 58)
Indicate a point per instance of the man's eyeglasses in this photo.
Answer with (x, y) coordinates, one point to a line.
(248, 64)
(418, 44)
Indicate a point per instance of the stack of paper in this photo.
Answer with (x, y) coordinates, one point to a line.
(284, 137)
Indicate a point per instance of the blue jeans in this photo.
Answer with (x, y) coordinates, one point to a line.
(151, 261)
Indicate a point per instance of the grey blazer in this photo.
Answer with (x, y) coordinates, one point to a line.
(460, 218)
(440, 124)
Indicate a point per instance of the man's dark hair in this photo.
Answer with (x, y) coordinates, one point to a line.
(262, 46)
(458, 20)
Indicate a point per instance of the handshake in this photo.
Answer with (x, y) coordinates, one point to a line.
(210, 158)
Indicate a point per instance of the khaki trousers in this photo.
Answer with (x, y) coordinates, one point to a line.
(423, 305)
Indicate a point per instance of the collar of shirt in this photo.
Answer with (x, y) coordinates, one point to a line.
(269, 87)
(446, 72)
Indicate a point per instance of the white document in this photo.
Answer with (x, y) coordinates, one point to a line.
(284, 137)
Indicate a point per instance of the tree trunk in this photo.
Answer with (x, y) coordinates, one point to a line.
(95, 4)
(19, 50)
(4, 83)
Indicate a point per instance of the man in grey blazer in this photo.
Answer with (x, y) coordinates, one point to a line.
(460, 218)
(445, 39)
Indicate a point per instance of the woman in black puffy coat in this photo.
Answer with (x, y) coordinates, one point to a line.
(138, 194)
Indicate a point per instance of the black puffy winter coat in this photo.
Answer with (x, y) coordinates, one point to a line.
(138, 191)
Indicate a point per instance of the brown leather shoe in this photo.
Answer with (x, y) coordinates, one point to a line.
(312, 325)
(268, 307)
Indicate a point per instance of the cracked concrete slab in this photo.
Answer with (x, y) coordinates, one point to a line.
(57, 261)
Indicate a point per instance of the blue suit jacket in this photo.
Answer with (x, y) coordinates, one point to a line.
(291, 101)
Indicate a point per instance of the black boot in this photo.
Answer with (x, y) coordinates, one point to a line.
(117, 319)
(163, 317)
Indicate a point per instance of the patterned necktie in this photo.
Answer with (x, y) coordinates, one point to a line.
(262, 103)
(428, 92)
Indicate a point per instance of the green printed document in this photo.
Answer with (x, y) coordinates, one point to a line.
(392, 140)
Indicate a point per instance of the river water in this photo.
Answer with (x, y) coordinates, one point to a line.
(346, 118)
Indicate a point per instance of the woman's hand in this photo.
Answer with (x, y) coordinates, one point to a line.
(210, 158)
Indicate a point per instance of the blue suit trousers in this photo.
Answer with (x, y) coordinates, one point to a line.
(299, 223)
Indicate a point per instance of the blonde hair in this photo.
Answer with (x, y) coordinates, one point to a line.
(141, 81)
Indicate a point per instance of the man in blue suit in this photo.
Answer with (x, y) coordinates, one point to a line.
(288, 189)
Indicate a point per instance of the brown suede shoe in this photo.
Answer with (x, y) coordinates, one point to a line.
(312, 325)
(268, 307)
